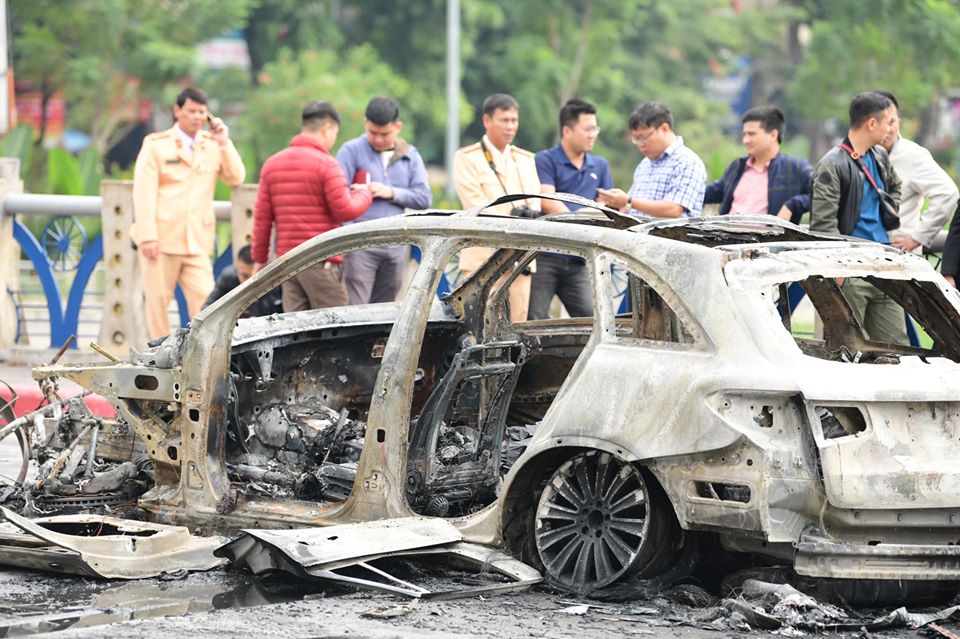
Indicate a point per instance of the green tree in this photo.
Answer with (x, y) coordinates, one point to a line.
(910, 47)
(106, 54)
(348, 81)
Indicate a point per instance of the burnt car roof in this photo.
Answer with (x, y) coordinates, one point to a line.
(718, 231)
(712, 231)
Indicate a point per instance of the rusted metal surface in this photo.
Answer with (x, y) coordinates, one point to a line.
(738, 427)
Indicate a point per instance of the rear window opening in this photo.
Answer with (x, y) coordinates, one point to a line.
(821, 315)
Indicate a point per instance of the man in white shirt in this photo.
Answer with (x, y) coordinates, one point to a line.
(922, 179)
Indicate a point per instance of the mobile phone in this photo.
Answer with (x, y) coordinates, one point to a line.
(362, 176)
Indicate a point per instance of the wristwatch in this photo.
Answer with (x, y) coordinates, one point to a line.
(629, 200)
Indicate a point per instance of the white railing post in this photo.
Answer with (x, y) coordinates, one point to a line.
(241, 215)
(123, 324)
(10, 183)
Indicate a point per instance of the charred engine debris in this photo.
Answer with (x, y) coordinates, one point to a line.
(295, 426)
(72, 460)
(285, 439)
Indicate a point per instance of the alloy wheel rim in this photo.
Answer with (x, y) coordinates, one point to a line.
(591, 521)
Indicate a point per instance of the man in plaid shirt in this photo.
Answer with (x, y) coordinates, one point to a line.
(670, 180)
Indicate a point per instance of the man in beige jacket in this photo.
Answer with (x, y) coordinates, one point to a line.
(491, 168)
(174, 223)
(923, 180)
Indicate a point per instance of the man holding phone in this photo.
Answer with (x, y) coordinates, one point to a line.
(174, 223)
(397, 178)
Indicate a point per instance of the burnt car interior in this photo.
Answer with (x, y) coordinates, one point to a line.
(843, 338)
(298, 402)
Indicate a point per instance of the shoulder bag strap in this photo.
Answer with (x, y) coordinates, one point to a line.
(856, 157)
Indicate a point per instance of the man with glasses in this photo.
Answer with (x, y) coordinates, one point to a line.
(398, 181)
(671, 179)
(568, 168)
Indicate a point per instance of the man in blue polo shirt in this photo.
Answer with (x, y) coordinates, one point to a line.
(568, 168)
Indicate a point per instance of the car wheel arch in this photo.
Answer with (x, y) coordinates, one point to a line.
(534, 469)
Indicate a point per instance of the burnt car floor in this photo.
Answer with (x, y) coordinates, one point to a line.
(594, 449)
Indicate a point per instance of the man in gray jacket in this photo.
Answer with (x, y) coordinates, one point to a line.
(398, 180)
(856, 192)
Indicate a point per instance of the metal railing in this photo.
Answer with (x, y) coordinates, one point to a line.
(63, 248)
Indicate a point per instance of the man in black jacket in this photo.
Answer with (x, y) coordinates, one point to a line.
(856, 192)
(766, 180)
(236, 274)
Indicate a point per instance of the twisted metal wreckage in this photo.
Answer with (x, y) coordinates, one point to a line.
(591, 448)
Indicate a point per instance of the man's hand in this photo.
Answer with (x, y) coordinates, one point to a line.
(149, 249)
(358, 187)
(784, 213)
(381, 191)
(257, 267)
(614, 198)
(219, 131)
(905, 243)
(951, 280)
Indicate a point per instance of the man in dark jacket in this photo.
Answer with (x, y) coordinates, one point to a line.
(766, 180)
(304, 192)
(236, 274)
(846, 201)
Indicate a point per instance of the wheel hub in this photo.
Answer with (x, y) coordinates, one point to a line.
(591, 521)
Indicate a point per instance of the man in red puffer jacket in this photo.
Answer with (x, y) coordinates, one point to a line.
(304, 192)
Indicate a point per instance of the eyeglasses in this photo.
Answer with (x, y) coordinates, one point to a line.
(642, 138)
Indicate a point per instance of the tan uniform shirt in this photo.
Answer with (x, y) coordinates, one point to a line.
(477, 184)
(173, 191)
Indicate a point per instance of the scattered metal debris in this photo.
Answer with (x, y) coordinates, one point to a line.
(348, 554)
(106, 547)
(783, 608)
(392, 611)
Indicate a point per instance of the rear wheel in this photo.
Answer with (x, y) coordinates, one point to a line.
(600, 520)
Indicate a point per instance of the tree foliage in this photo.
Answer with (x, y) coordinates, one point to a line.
(909, 47)
(106, 54)
(347, 81)
(806, 56)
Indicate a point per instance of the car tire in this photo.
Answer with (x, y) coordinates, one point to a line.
(600, 520)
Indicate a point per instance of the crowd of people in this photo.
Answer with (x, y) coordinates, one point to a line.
(873, 186)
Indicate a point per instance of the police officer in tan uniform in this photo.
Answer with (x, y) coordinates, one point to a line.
(491, 168)
(174, 223)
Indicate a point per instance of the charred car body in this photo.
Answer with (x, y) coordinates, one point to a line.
(691, 401)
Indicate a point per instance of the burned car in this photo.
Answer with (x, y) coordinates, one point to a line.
(698, 397)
